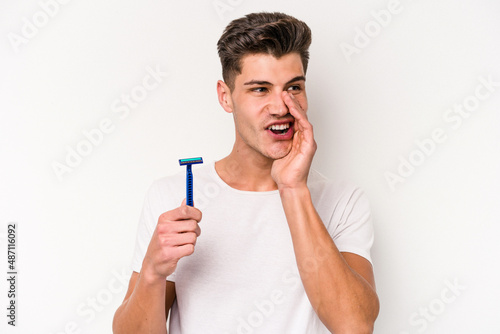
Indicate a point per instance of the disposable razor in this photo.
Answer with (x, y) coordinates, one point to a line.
(189, 177)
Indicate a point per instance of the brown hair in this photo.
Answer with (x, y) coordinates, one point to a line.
(276, 34)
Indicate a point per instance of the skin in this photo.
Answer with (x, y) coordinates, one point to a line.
(149, 296)
(257, 100)
(340, 286)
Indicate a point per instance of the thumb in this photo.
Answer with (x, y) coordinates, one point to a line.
(183, 202)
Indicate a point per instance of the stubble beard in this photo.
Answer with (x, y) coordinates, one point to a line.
(269, 153)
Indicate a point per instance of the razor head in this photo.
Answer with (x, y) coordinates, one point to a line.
(190, 161)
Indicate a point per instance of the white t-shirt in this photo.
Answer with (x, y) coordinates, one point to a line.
(242, 277)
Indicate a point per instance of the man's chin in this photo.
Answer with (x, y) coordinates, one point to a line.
(280, 153)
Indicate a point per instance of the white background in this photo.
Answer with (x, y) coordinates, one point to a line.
(435, 229)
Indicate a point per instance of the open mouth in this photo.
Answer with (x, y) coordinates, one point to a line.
(280, 129)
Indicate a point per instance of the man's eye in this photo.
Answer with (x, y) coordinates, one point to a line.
(294, 88)
(259, 89)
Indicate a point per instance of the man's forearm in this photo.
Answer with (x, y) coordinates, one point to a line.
(343, 300)
(150, 296)
(144, 310)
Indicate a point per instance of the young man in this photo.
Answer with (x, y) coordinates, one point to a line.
(282, 249)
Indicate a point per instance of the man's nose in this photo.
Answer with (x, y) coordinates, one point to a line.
(278, 108)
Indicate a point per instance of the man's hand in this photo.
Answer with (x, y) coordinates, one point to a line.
(340, 287)
(291, 171)
(174, 237)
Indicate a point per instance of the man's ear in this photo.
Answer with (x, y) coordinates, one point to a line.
(224, 95)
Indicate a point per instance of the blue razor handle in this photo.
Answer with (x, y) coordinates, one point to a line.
(189, 177)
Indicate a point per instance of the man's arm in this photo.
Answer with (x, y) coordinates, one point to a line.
(150, 301)
(150, 296)
(340, 287)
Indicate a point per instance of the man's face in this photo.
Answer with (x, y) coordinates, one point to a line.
(262, 120)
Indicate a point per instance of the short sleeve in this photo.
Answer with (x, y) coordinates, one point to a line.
(353, 227)
(151, 210)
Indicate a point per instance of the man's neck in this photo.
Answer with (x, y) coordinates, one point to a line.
(246, 171)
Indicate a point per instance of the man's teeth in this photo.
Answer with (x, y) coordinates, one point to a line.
(279, 127)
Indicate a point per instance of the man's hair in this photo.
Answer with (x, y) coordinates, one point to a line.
(276, 34)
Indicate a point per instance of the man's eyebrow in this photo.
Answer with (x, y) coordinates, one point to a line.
(297, 78)
(267, 83)
(257, 82)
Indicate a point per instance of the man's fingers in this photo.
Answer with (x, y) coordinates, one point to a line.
(292, 103)
(186, 226)
(185, 239)
(179, 226)
(184, 212)
(302, 125)
(295, 109)
(184, 250)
